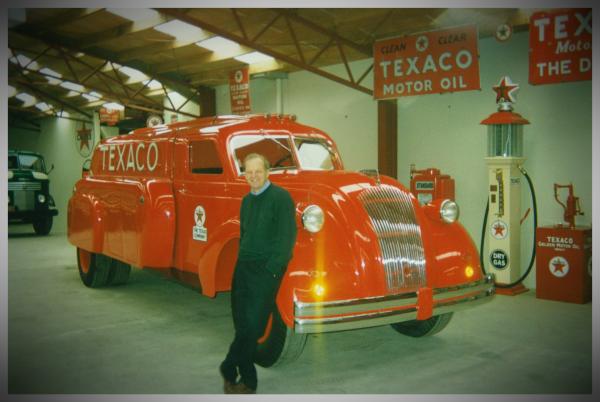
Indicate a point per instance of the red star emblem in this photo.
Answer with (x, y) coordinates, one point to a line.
(498, 230)
(83, 136)
(505, 90)
(558, 266)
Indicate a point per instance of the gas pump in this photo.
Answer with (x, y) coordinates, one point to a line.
(430, 184)
(504, 160)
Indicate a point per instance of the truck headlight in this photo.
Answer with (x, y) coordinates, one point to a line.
(449, 211)
(313, 218)
(41, 198)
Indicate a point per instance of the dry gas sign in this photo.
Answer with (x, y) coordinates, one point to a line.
(560, 46)
(427, 63)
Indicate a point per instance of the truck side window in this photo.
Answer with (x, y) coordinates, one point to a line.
(204, 158)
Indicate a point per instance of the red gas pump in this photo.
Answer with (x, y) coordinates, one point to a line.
(572, 209)
(564, 255)
(430, 184)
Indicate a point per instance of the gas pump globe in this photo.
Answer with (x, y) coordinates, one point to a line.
(504, 159)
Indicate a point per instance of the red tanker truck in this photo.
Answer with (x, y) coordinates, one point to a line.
(367, 254)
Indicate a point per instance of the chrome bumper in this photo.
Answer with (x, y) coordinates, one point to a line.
(341, 315)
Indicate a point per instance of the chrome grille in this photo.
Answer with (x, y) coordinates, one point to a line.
(399, 235)
(24, 185)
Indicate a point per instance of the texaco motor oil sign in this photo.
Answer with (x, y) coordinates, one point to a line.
(427, 63)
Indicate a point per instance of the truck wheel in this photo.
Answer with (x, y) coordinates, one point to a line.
(279, 345)
(419, 328)
(43, 225)
(119, 272)
(94, 269)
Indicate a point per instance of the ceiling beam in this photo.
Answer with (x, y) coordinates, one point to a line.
(183, 16)
(123, 29)
(172, 80)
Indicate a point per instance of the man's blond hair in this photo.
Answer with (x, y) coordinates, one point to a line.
(257, 156)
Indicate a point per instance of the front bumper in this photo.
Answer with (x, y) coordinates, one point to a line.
(30, 215)
(339, 315)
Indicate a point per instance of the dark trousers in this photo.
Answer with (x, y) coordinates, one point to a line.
(253, 295)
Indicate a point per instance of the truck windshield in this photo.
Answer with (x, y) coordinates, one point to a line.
(32, 162)
(314, 154)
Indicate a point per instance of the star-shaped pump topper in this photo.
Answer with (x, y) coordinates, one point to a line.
(505, 91)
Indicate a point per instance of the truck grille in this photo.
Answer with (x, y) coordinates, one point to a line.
(23, 194)
(24, 185)
(399, 235)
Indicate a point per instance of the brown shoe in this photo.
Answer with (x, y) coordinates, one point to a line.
(241, 388)
(228, 386)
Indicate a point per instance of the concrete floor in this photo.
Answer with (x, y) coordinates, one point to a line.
(155, 336)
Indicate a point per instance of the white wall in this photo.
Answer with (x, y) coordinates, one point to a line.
(444, 131)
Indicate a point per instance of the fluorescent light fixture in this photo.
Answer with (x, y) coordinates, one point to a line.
(12, 91)
(134, 75)
(92, 96)
(23, 61)
(152, 84)
(109, 66)
(72, 86)
(27, 99)
(178, 29)
(134, 14)
(113, 106)
(218, 44)
(49, 71)
(253, 58)
(50, 76)
(43, 106)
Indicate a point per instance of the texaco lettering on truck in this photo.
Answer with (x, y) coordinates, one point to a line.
(367, 254)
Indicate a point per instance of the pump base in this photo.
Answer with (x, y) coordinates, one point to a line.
(513, 291)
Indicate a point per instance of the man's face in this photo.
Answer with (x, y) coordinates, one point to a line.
(255, 173)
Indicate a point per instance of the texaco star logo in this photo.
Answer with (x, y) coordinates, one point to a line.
(503, 32)
(499, 229)
(422, 43)
(558, 266)
(84, 141)
(239, 76)
(199, 216)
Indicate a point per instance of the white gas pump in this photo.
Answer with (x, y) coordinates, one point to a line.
(504, 160)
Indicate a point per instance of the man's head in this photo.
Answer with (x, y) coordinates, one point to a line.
(256, 171)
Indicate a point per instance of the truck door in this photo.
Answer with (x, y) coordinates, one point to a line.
(200, 197)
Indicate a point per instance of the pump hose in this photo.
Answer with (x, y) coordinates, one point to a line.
(483, 233)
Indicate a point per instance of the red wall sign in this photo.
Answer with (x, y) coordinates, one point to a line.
(427, 63)
(109, 116)
(239, 91)
(560, 45)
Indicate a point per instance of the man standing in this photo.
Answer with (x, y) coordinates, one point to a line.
(267, 238)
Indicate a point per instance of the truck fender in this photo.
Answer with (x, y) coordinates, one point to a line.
(215, 268)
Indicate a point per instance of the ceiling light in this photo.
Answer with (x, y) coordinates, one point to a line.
(180, 30)
(134, 75)
(134, 14)
(43, 106)
(92, 96)
(12, 91)
(152, 84)
(50, 74)
(72, 86)
(27, 99)
(64, 113)
(218, 44)
(23, 61)
(253, 58)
